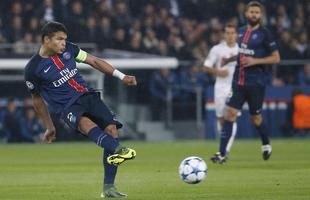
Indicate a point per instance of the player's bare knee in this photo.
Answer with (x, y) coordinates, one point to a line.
(85, 125)
(112, 130)
(257, 120)
(230, 114)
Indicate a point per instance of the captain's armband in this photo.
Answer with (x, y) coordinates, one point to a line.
(81, 57)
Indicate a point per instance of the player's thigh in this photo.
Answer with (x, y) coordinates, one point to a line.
(255, 98)
(102, 115)
(230, 113)
(73, 114)
(85, 124)
(236, 98)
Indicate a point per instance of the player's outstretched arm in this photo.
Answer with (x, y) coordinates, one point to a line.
(225, 61)
(106, 68)
(220, 73)
(42, 111)
(274, 58)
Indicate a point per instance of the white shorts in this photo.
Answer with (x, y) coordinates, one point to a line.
(220, 103)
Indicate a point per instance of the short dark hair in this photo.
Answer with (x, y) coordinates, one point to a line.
(254, 4)
(52, 27)
(231, 25)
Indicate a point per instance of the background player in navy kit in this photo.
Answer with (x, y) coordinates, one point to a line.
(51, 74)
(256, 49)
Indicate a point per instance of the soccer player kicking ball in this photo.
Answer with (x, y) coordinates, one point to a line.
(256, 50)
(224, 76)
(51, 76)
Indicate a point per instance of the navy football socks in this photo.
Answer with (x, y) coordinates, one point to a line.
(262, 130)
(109, 170)
(103, 139)
(226, 133)
(109, 144)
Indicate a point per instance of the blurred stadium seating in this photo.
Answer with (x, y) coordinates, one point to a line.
(184, 29)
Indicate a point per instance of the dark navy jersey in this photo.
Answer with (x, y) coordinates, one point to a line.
(56, 78)
(256, 43)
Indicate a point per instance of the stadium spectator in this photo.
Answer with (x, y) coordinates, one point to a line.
(200, 51)
(91, 31)
(47, 11)
(240, 13)
(3, 133)
(27, 103)
(77, 21)
(305, 75)
(15, 10)
(104, 33)
(11, 122)
(191, 80)
(121, 18)
(119, 39)
(104, 9)
(2, 36)
(150, 42)
(136, 42)
(31, 128)
(16, 31)
(302, 44)
(162, 48)
(25, 45)
(160, 83)
(177, 48)
(34, 26)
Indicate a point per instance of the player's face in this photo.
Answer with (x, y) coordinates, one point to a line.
(57, 43)
(253, 15)
(230, 35)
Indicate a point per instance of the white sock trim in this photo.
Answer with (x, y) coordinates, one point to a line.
(266, 147)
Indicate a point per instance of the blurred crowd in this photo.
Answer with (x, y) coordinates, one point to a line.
(185, 29)
(19, 123)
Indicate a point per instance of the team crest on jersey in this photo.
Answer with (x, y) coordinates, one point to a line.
(67, 55)
(29, 85)
(254, 36)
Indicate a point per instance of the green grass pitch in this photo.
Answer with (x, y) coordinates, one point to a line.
(74, 171)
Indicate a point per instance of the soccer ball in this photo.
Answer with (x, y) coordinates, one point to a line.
(193, 170)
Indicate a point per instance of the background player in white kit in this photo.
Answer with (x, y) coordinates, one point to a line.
(224, 75)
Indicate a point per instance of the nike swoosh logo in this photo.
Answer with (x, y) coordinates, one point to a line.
(46, 70)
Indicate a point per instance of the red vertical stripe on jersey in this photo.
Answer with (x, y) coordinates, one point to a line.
(241, 70)
(71, 82)
(77, 86)
(57, 62)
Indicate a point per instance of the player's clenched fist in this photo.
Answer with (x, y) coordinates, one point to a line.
(129, 80)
